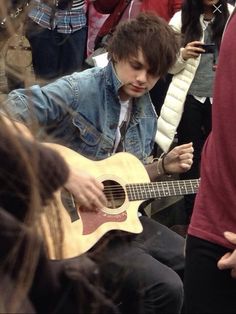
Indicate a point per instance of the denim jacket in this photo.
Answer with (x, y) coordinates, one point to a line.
(84, 109)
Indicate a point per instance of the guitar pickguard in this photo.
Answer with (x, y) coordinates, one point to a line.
(91, 220)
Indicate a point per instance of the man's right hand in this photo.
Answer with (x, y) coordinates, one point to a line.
(87, 191)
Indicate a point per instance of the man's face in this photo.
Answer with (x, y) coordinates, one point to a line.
(134, 73)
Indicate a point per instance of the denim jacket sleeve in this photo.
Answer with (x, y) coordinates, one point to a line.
(45, 105)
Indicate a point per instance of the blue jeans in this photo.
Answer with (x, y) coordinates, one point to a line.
(55, 54)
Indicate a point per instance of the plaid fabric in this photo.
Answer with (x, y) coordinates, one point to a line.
(65, 21)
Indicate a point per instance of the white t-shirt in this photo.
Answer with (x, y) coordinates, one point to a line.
(125, 112)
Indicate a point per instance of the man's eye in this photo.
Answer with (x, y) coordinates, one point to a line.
(135, 66)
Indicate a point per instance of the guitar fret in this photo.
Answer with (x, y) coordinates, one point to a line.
(176, 188)
(192, 186)
(131, 192)
(152, 192)
(172, 187)
(143, 191)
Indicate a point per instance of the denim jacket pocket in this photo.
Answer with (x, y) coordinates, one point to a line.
(88, 133)
(92, 143)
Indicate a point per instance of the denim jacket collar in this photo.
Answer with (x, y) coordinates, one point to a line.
(112, 79)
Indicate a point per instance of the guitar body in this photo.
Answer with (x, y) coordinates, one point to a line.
(81, 230)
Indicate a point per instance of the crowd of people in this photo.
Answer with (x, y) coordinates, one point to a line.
(104, 112)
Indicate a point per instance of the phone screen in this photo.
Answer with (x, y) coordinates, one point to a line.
(209, 48)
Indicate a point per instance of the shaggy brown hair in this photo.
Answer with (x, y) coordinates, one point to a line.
(150, 34)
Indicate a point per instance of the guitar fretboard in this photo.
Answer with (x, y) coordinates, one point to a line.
(143, 191)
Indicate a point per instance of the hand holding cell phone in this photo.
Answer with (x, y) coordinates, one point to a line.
(209, 48)
(192, 50)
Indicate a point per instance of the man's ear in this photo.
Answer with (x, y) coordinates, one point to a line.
(114, 58)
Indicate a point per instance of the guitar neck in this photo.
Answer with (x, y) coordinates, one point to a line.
(144, 191)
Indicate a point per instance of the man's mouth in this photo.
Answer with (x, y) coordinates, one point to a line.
(138, 88)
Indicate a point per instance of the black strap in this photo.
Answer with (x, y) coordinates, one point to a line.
(64, 4)
(123, 127)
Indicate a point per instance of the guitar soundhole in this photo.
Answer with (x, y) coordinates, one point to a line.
(115, 194)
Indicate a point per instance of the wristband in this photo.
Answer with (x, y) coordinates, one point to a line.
(160, 169)
(163, 164)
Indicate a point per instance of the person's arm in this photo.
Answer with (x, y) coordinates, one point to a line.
(191, 50)
(17, 127)
(42, 105)
(228, 261)
(176, 24)
(178, 160)
(87, 190)
(106, 6)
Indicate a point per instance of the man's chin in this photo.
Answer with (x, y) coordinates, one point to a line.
(131, 93)
(136, 93)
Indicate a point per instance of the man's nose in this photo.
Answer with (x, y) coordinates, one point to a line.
(142, 76)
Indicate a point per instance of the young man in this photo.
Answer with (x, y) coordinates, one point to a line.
(87, 111)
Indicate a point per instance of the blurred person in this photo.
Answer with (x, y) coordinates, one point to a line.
(121, 10)
(209, 280)
(30, 282)
(95, 21)
(15, 51)
(57, 32)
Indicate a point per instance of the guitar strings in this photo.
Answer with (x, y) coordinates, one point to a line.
(160, 185)
(118, 191)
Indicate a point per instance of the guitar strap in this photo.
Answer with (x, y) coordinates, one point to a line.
(123, 127)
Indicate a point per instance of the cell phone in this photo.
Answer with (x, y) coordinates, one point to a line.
(209, 48)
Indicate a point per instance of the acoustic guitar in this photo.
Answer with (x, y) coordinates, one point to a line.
(126, 186)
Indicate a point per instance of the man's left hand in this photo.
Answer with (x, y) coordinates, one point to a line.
(179, 159)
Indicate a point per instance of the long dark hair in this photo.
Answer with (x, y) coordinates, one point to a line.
(191, 28)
